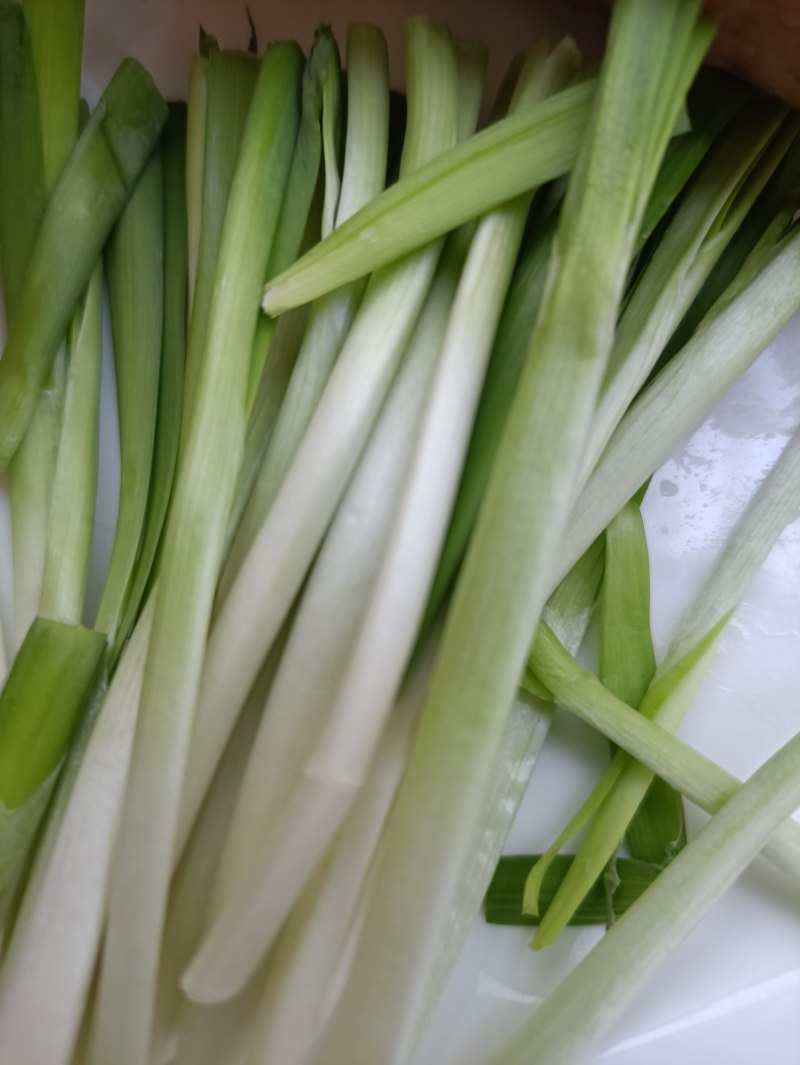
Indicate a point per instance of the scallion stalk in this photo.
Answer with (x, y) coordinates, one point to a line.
(169, 412)
(503, 161)
(135, 268)
(223, 93)
(362, 179)
(627, 665)
(69, 538)
(189, 569)
(94, 187)
(685, 769)
(271, 576)
(53, 677)
(670, 692)
(317, 146)
(47, 972)
(588, 1001)
(504, 584)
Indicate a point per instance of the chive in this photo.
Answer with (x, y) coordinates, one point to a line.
(503, 903)
(503, 586)
(587, 1002)
(362, 179)
(173, 354)
(47, 972)
(670, 692)
(135, 268)
(93, 189)
(700, 780)
(226, 93)
(250, 617)
(627, 665)
(53, 676)
(188, 572)
(320, 122)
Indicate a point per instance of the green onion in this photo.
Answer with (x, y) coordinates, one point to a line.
(56, 32)
(173, 354)
(385, 601)
(311, 958)
(189, 568)
(72, 507)
(754, 309)
(502, 162)
(362, 179)
(670, 692)
(700, 780)
(135, 268)
(196, 108)
(319, 125)
(627, 665)
(569, 610)
(45, 694)
(503, 903)
(297, 712)
(47, 973)
(503, 586)
(223, 93)
(276, 566)
(93, 189)
(22, 203)
(602, 986)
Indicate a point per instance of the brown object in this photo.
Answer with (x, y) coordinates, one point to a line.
(758, 40)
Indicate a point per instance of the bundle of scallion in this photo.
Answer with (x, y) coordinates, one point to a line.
(392, 382)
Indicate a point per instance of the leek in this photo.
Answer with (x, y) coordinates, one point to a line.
(503, 586)
(196, 110)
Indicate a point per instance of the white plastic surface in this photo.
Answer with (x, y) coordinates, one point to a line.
(731, 993)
